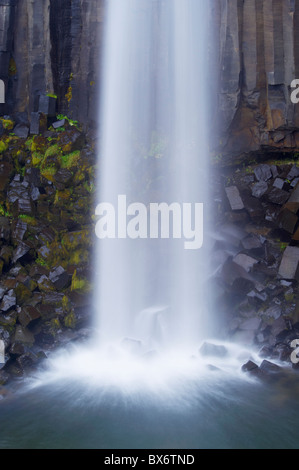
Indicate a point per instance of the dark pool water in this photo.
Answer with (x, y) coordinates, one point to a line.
(218, 413)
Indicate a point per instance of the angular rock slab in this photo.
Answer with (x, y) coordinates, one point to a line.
(234, 198)
(263, 172)
(289, 264)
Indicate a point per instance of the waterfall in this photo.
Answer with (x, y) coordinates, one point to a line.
(151, 292)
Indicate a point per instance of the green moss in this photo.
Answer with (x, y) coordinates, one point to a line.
(37, 159)
(289, 297)
(39, 144)
(80, 284)
(66, 304)
(52, 95)
(70, 320)
(52, 151)
(54, 326)
(4, 212)
(79, 257)
(23, 294)
(69, 94)
(49, 173)
(8, 124)
(70, 160)
(3, 146)
(28, 219)
(12, 67)
(62, 196)
(41, 262)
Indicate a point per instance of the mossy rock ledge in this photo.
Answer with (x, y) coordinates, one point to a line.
(46, 239)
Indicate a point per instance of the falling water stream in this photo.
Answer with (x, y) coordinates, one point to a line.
(141, 382)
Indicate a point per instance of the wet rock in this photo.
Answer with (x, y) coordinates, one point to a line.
(274, 171)
(210, 349)
(294, 173)
(23, 335)
(274, 311)
(26, 361)
(278, 183)
(6, 255)
(47, 105)
(234, 198)
(263, 172)
(254, 207)
(53, 299)
(2, 291)
(28, 314)
(287, 220)
(17, 349)
(9, 301)
(22, 250)
(249, 366)
(19, 229)
(63, 176)
(44, 284)
(34, 124)
(6, 170)
(4, 377)
(36, 271)
(289, 263)
(4, 229)
(251, 242)
(266, 351)
(35, 194)
(21, 131)
(250, 324)
(294, 182)
(245, 261)
(47, 235)
(58, 124)
(24, 206)
(44, 252)
(59, 277)
(278, 196)
(279, 326)
(242, 286)
(32, 176)
(23, 294)
(270, 367)
(259, 189)
(282, 352)
(71, 140)
(8, 319)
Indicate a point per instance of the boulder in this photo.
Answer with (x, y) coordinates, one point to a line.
(9, 301)
(21, 131)
(287, 220)
(270, 367)
(59, 277)
(278, 196)
(234, 198)
(278, 183)
(210, 349)
(289, 263)
(245, 261)
(263, 172)
(23, 335)
(259, 189)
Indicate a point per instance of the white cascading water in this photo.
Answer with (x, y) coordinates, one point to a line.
(154, 150)
(151, 308)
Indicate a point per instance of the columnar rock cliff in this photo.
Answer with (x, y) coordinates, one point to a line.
(257, 57)
(53, 46)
